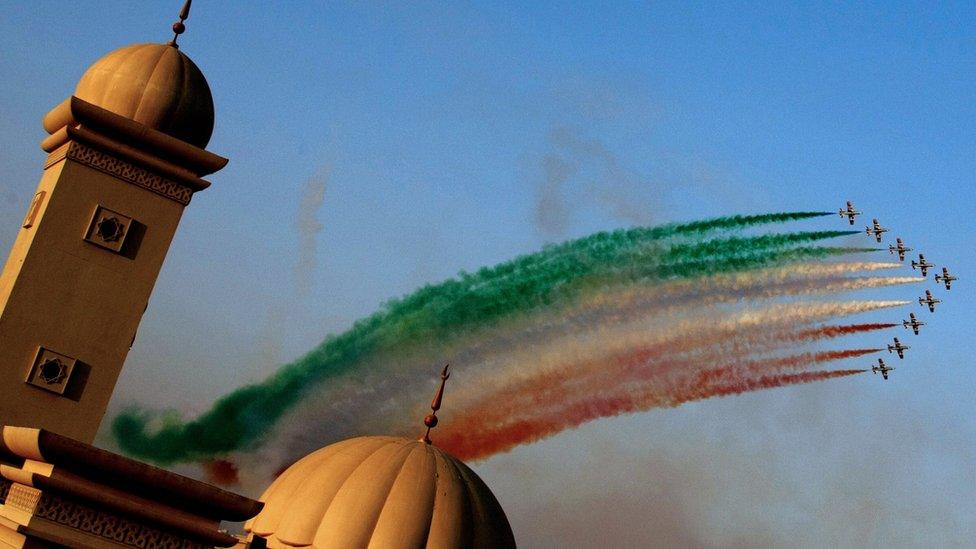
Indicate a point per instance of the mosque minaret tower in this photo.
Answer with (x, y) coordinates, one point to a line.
(125, 156)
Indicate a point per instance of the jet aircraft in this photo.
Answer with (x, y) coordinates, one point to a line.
(900, 248)
(877, 230)
(922, 264)
(882, 369)
(913, 322)
(929, 300)
(850, 212)
(946, 278)
(898, 346)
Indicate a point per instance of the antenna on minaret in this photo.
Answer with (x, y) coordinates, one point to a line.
(178, 27)
(431, 420)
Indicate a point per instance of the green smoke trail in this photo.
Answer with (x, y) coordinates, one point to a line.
(622, 240)
(622, 237)
(558, 264)
(439, 311)
(548, 282)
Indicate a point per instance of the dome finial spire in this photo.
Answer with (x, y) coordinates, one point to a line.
(431, 420)
(178, 27)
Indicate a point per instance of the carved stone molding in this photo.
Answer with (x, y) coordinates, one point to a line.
(123, 170)
(75, 515)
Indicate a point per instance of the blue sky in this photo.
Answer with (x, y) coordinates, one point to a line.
(429, 125)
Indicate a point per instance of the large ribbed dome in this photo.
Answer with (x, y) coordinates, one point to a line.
(156, 85)
(381, 492)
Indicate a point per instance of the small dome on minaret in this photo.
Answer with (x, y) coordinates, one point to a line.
(156, 85)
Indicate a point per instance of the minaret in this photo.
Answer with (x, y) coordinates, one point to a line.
(125, 156)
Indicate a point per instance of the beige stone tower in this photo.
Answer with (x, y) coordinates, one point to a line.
(125, 156)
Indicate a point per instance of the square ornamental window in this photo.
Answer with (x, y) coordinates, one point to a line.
(51, 371)
(108, 229)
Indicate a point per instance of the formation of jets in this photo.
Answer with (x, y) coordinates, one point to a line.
(923, 265)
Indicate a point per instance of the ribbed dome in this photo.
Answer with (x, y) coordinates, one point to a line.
(156, 85)
(381, 492)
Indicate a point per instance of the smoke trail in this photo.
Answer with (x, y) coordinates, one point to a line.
(222, 472)
(766, 382)
(470, 441)
(565, 357)
(630, 301)
(626, 241)
(639, 356)
(737, 222)
(446, 310)
(837, 331)
(737, 244)
(542, 344)
(743, 261)
(731, 372)
(635, 236)
(563, 327)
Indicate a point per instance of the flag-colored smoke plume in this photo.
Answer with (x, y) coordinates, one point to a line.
(662, 369)
(480, 431)
(487, 320)
(484, 443)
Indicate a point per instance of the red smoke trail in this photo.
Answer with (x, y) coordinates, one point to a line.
(763, 382)
(794, 362)
(683, 354)
(221, 472)
(477, 434)
(838, 331)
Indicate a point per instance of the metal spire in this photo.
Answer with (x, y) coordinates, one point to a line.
(178, 27)
(431, 420)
